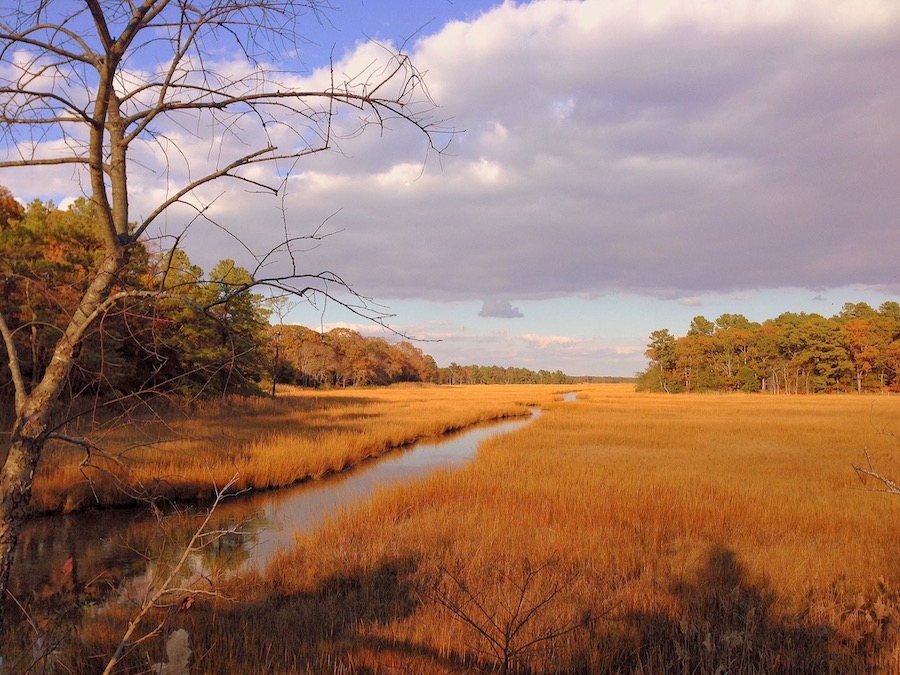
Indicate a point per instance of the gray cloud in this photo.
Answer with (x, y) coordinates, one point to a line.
(669, 149)
(607, 153)
(501, 309)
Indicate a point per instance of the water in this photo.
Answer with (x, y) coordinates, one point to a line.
(305, 507)
(95, 553)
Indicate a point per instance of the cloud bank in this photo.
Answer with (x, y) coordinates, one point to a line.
(662, 148)
(666, 148)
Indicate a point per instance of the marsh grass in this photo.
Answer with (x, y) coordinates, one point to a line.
(706, 534)
(268, 443)
(656, 534)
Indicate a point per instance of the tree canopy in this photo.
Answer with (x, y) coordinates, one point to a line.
(856, 350)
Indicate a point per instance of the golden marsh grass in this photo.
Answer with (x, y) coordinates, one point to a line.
(268, 443)
(620, 533)
(692, 534)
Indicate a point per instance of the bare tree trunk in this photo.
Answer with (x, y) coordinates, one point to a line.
(33, 415)
(15, 494)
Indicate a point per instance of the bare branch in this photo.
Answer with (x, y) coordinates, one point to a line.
(178, 196)
(10, 37)
(887, 485)
(201, 538)
(44, 162)
(15, 368)
(512, 607)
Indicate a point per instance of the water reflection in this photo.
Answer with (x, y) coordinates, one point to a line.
(305, 507)
(94, 554)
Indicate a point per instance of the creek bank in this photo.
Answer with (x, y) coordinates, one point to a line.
(116, 545)
(171, 491)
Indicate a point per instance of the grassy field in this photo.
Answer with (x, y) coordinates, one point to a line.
(620, 533)
(266, 443)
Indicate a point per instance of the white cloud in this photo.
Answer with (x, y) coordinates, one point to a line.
(486, 171)
(400, 175)
(544, 341)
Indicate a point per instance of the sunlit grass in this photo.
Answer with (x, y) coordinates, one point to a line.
(683, 534)
(636, 533)
(266, 443)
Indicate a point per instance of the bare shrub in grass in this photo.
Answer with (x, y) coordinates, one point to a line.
(512, 608)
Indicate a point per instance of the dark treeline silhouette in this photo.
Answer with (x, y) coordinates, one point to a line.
(855, 350)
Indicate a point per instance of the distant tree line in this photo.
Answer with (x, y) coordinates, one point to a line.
(856, 350)
(344, 358)
(602, 379)
(201, 340)
(456, 374)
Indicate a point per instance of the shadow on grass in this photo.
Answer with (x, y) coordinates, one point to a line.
(727, 624)
(321, 631)
(721, 622)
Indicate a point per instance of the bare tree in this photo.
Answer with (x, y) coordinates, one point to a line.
(102, 86)
(280, 306)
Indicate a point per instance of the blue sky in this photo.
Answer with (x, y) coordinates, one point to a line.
(621, 166)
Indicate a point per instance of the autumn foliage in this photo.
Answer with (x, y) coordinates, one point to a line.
(177, 344)
(855, 350)
(175, 331)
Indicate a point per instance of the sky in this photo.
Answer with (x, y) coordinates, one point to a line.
(616, 167)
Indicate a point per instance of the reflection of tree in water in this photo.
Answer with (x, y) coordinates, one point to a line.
(236, 535)
(68, 563)
(70, 556)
